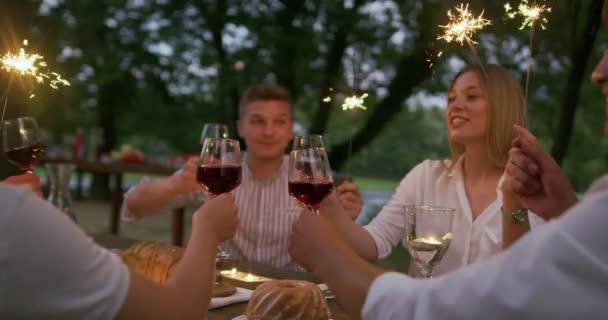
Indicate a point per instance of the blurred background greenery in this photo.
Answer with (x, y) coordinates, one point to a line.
(152, 72)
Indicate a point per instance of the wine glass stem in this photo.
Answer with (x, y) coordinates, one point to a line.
(315, 211)
(218, 267)
(427, 272)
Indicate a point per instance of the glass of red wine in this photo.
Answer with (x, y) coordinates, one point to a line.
(310, 177)
(219, 166)
(219, 171)
(22, 144)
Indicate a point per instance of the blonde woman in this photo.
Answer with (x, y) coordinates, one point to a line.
(480, 114)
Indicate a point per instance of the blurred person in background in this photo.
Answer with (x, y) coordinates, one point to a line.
(267, 211)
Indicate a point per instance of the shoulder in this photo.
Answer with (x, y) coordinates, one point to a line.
(599, 185)
(12, 197)
(430, 169)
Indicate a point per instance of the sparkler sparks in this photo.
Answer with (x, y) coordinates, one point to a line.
(354, 102)
(463, 25)
(31, 64)
(531, 13)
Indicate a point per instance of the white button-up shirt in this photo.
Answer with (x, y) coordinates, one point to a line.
(432, 183)
(559, 271)
(266, 215)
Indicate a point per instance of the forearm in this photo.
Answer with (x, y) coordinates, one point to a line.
(149, 196)
(193, 278)
(187, 292)
(355, 235)
(352, 282)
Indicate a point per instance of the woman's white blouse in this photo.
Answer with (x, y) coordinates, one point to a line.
(431, 183)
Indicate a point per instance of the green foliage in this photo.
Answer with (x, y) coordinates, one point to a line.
(153, 72)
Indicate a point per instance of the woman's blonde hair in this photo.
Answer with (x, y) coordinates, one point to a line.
(506, 108)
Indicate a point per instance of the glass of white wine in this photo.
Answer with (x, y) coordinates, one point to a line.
(428, 233)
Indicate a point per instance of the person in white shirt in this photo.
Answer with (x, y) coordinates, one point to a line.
(482, 107)
(267, 211)
(26, 179)
(52, 270)
(559, 271)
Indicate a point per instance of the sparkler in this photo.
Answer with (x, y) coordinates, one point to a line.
(30, 65)
(531, 14)
(354, 102)
(462, 27)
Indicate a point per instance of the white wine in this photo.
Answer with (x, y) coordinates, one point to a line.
(428, 251)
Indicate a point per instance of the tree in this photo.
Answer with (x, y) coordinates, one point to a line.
(579, 64)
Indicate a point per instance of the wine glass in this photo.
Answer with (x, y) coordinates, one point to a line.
(219, 171)
(428, 233)
(310, 178)
(22, 142)
(214, 130)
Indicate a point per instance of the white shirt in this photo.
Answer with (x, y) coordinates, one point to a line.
(559, 271)
(266, 215)
(49, 269)
(431, 183)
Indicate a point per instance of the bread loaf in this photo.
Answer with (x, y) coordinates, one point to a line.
(287, 299)
(152, 260)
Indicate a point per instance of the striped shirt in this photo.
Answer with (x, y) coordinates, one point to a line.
(266, 214)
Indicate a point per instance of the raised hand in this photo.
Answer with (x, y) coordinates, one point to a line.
(311, 235)
(218, 216)
(536, 179)
(350, 198)
(184, 181)
(26, 179)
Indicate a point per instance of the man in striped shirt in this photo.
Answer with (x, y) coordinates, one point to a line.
(266, 211)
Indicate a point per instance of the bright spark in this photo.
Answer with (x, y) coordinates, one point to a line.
(27, 64)
(530, 13)
(463, 25)
(354, 102)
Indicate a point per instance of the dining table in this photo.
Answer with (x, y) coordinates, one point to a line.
(118, 169)
(234, 310)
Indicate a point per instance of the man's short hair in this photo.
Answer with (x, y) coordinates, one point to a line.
(263, 92)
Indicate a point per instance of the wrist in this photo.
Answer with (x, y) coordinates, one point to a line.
(175, 185)
(205, 231)
(515, 216)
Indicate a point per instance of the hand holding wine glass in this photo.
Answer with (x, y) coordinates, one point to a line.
(218, 216)
(184, 180)
(428, 233)
(310, 178)
(22, 143)
(219, 171)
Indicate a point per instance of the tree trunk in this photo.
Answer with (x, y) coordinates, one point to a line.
(227, 101)
(411, 71)
(331, 72)
(286, 49)
(579, 62)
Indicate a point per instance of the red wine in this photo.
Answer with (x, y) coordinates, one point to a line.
(311, 194)
(26, 158)
(218, 180)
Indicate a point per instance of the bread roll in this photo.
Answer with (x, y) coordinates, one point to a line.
(287, 299)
